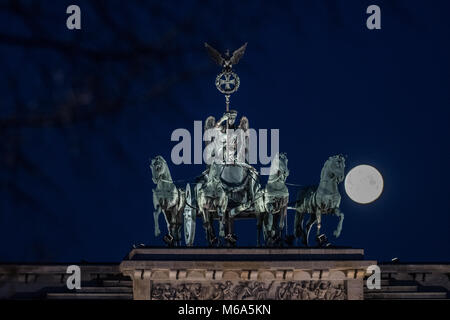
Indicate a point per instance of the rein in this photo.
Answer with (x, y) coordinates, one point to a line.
(165, 180)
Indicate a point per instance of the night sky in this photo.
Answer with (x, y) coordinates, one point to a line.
(81, 113)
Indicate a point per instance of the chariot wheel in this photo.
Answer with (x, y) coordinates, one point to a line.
(190, 215)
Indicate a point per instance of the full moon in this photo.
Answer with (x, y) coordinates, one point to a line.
(363, 184)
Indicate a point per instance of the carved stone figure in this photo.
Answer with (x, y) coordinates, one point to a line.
(218, 291)
(250, 290)
(227, 143)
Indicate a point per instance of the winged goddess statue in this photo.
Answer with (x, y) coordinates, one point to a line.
(227, 61)
(229, 146)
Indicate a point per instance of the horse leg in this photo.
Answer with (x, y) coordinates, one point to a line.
(156, 219)
(206, 223)
(221, 215)
(312, 220)
(168, 238)
(281, 224)
(214, 240)
(340, 215)
(177, 231)
(319, 222)
(174, 233)
(180, 226)
(173, 226)
(173, 222)
(276, 231)
(270, 229)
(231, 239)
(264, 230)
(209, 228)
(298, 224)
(279, 230)
(179, 220)
(258, 229)
(319, 226)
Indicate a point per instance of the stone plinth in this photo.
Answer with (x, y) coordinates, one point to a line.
(246, 273)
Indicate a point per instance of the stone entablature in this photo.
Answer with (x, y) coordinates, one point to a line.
(240, 273)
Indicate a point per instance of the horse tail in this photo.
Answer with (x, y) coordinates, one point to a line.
(298, 224)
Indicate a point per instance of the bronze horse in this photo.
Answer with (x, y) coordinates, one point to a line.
(272, 203)
(321, 199)
(211, 200)
(169, 199)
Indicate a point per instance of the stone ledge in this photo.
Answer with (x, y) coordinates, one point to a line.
(251, 252)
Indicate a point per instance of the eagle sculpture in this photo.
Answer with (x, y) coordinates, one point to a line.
(227, 61)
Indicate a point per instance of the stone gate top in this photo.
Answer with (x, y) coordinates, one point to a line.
(263, 273)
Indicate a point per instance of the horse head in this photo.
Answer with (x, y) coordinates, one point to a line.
(334, 169)
(279, 168)
(213, 183)
(160, 170)
(214, 173)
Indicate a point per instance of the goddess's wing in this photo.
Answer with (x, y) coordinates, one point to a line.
(243, 124)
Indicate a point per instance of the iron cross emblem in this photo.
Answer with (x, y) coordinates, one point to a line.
(227, 82)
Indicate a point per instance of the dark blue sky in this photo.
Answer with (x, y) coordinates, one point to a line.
(81, 189)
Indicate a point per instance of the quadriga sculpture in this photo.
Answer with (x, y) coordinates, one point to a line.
(169, 199)
(321, 199)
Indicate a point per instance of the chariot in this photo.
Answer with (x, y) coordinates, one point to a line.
(226, 192)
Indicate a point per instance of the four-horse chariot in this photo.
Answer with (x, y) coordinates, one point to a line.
(230, 187)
